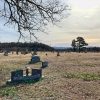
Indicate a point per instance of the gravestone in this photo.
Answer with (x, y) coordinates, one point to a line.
(17, 51)
(44, 64)
(5, 53)
(24, 51)
(16, 76)
(46, 54)
(34, 59)
(58, 54)
(34, 53)
(36, 74)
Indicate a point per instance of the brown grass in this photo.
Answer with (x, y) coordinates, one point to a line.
(71, 76)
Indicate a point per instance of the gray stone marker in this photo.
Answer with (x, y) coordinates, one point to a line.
(36, 74)
(16, 76)
(44, 64)
(35, 59)
(6, 53)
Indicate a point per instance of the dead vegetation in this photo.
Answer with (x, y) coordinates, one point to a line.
(71, 76)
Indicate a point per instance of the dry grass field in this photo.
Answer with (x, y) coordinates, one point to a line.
(71, 76)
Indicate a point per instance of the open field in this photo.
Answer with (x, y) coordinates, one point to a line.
(71, 76)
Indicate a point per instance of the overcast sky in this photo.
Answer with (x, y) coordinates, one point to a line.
(84, 20)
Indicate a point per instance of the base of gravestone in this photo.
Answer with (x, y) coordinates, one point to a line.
(9, 82)
(17, 77)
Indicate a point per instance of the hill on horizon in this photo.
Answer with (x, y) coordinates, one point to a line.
(13, 46)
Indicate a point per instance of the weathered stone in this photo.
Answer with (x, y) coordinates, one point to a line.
(44, 64)
(6, 53)
(35, 59)
(16, 75)
(36, 74)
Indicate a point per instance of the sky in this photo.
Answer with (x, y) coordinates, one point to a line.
(83, 20)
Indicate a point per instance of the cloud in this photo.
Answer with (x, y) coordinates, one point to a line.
(84, 20)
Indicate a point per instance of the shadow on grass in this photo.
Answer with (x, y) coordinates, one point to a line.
(11, 89)
(9, 84)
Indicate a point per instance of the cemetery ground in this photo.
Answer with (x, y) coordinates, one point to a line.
(70, 76)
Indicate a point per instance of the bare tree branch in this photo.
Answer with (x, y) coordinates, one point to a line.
(31, 15)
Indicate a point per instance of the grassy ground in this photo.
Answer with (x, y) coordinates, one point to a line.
(71, 76)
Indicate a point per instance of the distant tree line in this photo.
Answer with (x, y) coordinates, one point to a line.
(87, 49)
(28, 47)
(13, 46)
(79, 45)
(93, 49)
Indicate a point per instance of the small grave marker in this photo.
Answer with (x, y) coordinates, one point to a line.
(46, 54)
(34, 53)
(5, 53)
(58, 54)
(44, 64)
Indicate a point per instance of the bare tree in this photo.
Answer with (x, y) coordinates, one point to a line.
(31, 15)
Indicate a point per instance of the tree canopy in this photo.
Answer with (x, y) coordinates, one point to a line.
(73, 44)
(31, 15)
(79, 43)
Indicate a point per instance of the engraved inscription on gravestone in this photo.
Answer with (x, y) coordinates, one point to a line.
(17, 75)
